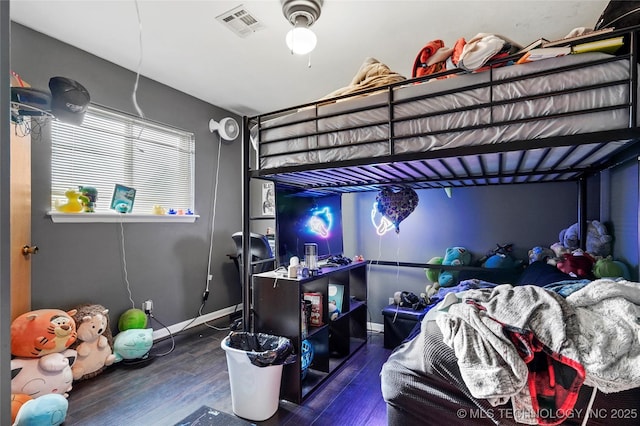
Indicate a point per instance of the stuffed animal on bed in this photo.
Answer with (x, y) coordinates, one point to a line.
(598, 240)
(559, 249)
(607, 268)
(94, 343)
(577, 264)
(454, 256)
(500, 257)
(542, 254)
(433, 276)
(41, 332)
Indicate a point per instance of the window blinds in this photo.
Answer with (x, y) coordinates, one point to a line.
(114, 148)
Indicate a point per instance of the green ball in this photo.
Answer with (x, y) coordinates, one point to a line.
(433, 274)
(132, 319)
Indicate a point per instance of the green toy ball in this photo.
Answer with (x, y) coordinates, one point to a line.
(433, 274)
(132, 319)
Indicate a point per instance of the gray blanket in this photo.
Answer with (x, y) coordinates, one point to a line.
(597, 326)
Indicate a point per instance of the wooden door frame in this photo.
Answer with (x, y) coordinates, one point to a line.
(5, 258)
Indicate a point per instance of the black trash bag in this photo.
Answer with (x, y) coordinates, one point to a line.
(263, 349)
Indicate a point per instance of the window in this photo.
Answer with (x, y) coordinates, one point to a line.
(115, 148)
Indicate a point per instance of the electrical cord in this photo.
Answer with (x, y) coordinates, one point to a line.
(213, 207)
(134, 96)
(124, 262)
(173, 340)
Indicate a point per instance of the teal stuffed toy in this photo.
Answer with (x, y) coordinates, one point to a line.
(132, 344)
(454, 256)
(46, 410)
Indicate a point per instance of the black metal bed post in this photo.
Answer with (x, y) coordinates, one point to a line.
(633, 75)
(582, 212)
(246, 260)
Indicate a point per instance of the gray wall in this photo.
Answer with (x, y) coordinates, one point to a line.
(167, 262)
(476, 218)
(624, 215)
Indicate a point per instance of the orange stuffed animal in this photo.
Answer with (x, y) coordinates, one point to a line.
(40, 332)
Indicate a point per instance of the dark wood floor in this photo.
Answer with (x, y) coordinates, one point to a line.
(195, 374)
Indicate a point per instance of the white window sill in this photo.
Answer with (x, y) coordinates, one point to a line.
(58, 217)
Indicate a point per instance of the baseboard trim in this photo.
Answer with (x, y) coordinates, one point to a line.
(211, 316)
(374, 326)
(163, 333)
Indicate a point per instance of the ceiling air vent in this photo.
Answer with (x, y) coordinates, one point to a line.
(240, 21)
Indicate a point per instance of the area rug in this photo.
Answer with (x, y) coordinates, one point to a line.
(207, 416)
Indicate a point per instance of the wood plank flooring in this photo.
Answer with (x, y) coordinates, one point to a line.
(195, 373)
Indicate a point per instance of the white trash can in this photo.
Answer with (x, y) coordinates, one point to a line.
(255, 391)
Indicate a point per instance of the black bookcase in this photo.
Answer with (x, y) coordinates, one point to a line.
(277, 311)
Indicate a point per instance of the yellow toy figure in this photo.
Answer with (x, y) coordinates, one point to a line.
(73, 204)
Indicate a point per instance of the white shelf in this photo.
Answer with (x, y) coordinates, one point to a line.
(58, 217)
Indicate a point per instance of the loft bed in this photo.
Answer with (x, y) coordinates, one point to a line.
(550, 120)
(560, 119)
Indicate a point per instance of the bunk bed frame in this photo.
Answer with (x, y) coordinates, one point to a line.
(570, 156)
(566, 157)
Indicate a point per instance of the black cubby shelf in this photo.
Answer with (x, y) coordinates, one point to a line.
(277, 311)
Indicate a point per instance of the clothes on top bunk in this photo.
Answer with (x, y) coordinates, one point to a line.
(431, 59)
(372, 73)
(595, 326)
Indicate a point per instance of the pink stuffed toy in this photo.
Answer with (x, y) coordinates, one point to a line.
(47, 374)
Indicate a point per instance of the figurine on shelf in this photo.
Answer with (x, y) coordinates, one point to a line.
(158, 209)
(73, 204)
(89, 196)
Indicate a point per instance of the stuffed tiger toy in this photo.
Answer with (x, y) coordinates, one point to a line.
(41, 332)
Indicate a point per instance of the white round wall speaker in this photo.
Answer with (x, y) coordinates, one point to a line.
(228, 128)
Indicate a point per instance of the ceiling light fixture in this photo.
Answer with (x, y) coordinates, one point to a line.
(301, 14)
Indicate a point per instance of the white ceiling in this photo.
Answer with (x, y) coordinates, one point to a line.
(185, 47)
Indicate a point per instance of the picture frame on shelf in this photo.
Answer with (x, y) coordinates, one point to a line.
(123, 198)
(336, 295)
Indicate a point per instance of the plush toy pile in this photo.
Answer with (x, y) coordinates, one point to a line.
(50, 349)
(594, 262)
(134, 340)
(41, 365)
(566, 255)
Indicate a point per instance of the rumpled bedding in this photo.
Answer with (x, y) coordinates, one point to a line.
(372, 73)
(596, 325)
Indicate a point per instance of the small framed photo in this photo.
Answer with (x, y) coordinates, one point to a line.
(268, 199)
(123, 198)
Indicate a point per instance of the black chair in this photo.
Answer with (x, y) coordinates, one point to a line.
(262, 258)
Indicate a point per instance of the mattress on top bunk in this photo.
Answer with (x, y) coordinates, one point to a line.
(297, 143)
